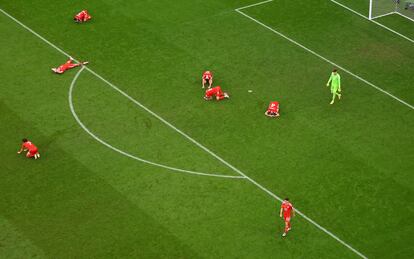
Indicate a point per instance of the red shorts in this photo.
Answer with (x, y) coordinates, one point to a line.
(273, 110)
(32, 152)
(286, 218)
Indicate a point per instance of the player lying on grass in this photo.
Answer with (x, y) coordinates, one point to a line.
(216, 92)
(31, 149)
(286, 212)
(207, 78)
(83, 16)
(68, 65)
(335, 82)
(273, 110)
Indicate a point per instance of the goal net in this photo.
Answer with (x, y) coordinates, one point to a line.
(380, 8)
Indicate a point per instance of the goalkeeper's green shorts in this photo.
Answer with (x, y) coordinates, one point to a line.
(334, 89)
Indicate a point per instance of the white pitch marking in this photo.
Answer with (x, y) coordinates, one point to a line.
(383, 15)
(72, 109)
(192, 140)
(406, 17)
(377, 23)
(256, 4)
(327, 60)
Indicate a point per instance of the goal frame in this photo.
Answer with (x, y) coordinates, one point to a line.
(395, 11)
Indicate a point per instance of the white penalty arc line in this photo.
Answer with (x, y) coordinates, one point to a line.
(192, 140)
(72, 109)
(325, 59)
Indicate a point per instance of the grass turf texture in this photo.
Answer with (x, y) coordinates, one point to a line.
(346, 166)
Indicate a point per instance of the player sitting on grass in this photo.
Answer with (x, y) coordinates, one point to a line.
(215, 91)
(273, 110)
(68, 65)
(207, 78)
(335, 82)
(83, 16)
(31, 148)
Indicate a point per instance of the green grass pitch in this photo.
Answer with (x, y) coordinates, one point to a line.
(348, 166)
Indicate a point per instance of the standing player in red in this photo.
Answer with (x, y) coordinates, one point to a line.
(286, 211)
(215, 91)
(68, 65)
(207, 78)
(30, 147)
(83, 16)
(273, 110)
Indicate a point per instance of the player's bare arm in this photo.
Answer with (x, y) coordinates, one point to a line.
(21, 149)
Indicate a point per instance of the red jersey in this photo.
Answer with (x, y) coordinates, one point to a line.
(287, 209)
(63, 68)
(273, 107)
(207, 75)
(83, 16)
(213, 91)
(29, 146)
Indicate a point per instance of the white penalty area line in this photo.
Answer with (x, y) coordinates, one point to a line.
(323, 58)
(189, 138)
(72, 109)
(377, 23)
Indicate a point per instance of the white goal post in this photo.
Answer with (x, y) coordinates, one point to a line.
(381, 8)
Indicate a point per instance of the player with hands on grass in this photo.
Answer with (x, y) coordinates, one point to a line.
(30, 147)
(207, 78)
(216, 92)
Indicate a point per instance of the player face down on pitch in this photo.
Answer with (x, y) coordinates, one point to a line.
(82, 16)
(273, 110)
(286, 212)
(68, 65)
(215, 92)
(31, 149)
(207, 78)
(335, 83)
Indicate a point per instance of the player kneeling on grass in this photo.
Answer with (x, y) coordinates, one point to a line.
(83, 16)
(335, 82)
(30, 148)
(207, 78)
(273, 110)
(68, 65)
(286, 212)
(216, 92)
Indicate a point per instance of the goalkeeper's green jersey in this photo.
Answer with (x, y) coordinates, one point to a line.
(335, 80)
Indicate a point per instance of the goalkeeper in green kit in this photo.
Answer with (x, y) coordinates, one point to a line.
(335, 82)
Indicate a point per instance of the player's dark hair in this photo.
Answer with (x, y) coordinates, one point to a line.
(24, 140)
(334, 70)
(286, 199)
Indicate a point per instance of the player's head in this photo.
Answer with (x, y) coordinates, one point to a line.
(334, 70)
(286, 199)
(24, 140)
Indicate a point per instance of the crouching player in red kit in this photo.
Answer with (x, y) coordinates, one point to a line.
(207, 78)
(68, 65)
(83, 16)
(215, 91)
(286, 211)
(30, 148)
(273, 110)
